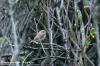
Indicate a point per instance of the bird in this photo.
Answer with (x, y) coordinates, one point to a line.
(41, 35)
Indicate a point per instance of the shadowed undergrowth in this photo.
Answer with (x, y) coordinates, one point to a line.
(72, 33)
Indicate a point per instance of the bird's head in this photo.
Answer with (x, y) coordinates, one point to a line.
(43, 31)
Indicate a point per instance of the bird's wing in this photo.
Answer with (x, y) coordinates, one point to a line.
(36, 38)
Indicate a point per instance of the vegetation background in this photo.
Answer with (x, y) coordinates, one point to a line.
(72, 37)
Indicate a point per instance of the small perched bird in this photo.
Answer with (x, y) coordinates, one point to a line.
(40, 36)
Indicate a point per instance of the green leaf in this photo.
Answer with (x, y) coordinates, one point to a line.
(92, 31)
(85, 2)
(79, 15)
(21, 57)
(1, 39)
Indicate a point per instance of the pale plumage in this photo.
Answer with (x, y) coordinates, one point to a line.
(40, 36)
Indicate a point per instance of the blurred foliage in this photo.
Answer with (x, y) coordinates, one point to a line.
(79, 14)
(1, 39)
(21, 58)
(37, 12)
(92, 31)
